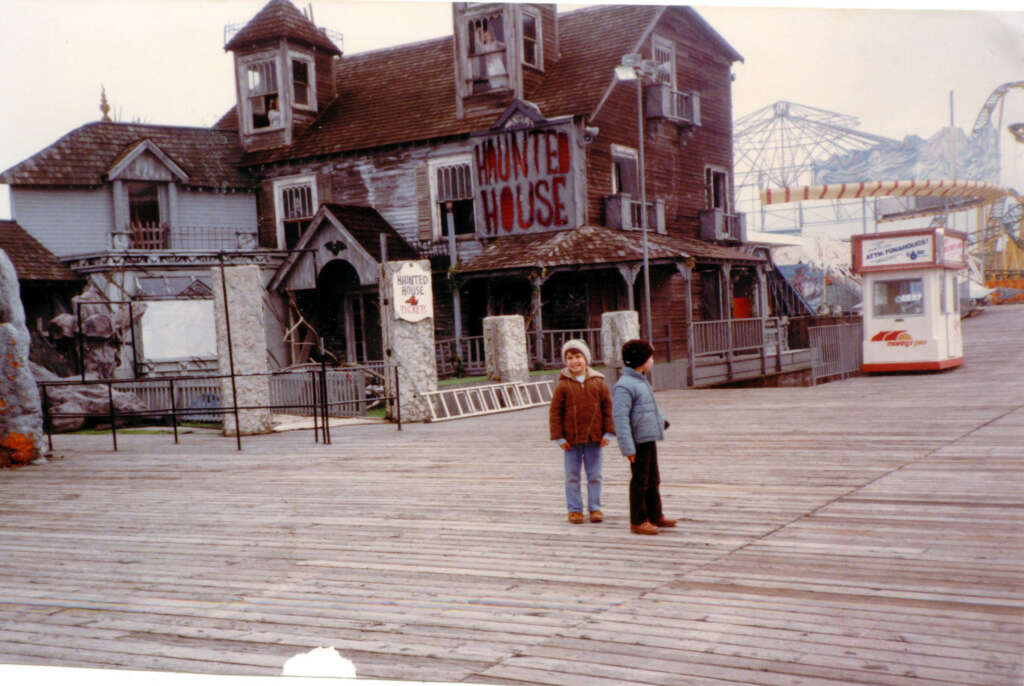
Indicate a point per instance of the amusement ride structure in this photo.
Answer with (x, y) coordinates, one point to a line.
(810, 172)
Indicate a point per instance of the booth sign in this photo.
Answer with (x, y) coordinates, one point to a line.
(413, 294)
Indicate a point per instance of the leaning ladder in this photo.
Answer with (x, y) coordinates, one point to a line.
(473, 401)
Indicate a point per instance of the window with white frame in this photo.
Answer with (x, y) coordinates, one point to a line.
(451, 192)
(488, 69)
(295, 203)
(625, 175)
(664, 52)
(262, 101)
(716, 188)
(303, 81)
(532, 46)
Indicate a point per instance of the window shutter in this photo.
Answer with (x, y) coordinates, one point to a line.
(425, 231)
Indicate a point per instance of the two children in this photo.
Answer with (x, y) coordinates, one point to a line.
(581, 424)
(583, 416)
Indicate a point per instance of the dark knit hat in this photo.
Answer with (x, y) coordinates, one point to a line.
(636, 352)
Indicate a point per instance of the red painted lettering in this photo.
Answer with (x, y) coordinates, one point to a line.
(551, 151)
(490, 211)
(543, 190)
(561, 218)
(520, 161)
(480, 159)
(563, 153)
(525, 221)
(503, 161)
(508, 209)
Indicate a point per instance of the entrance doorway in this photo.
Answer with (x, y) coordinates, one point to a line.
(346, 314)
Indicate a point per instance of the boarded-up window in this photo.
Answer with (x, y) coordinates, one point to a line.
(665, 56)
(455, 194)
(296, 211)
(301, 82)
(716, 183)
(531, 39)
(625, 177)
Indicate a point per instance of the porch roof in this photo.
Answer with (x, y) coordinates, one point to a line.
(595, 245)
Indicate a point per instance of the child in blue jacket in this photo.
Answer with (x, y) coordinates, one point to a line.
(638, 424)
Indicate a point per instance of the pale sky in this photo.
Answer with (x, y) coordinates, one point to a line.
(162, 61)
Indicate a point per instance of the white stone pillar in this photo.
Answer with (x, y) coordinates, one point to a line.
(248, 352)
(21, 419)
(505, 348)
(407, 332)
(617, 328)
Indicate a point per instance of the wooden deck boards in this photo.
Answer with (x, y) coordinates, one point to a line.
(865, 531)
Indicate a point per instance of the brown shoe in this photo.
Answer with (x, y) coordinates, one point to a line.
(646, 528)
(576, 517)
(596, 516)
(666, 523)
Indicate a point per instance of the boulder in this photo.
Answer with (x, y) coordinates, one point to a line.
(21, 419)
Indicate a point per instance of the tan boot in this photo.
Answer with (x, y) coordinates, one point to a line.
(596, 516)
(646, 529)
(666, 523)
(576, 517)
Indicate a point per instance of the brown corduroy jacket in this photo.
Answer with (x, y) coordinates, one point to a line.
(581, 413)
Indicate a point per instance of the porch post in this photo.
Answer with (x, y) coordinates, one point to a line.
(453, 262)
(687, 273)
(762, 308)
(538, 320)
(629, 275)
(726, 276)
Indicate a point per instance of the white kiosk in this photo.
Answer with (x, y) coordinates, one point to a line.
(911, 298)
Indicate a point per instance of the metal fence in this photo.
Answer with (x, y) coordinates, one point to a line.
(736, 336)
(315, 391)
(838, 350)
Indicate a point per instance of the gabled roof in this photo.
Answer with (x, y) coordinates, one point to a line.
(31, 260)
(84, 156)
(407, 93)
(366, 225)
(281, 19)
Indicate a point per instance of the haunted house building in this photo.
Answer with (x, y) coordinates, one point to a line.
(511, 154)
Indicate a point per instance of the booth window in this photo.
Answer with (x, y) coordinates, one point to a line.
(898, 297)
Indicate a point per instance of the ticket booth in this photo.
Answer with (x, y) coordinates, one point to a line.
(911, 298)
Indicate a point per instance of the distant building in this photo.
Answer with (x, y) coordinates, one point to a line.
(512, 135)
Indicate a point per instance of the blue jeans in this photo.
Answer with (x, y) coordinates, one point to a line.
(589, 456)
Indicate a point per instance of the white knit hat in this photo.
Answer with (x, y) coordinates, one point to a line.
(576, 344)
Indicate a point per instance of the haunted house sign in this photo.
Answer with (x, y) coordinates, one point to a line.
(527, 174)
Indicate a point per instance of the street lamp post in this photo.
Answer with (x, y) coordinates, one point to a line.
(635, 68)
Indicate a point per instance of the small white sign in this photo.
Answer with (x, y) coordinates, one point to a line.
(412, 291)
(890, 252)
(953, 251)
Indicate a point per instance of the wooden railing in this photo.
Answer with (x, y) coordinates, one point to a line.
(158, 236)
(460, 357)
(547, 344)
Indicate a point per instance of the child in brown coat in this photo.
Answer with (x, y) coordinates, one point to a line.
(581, 424)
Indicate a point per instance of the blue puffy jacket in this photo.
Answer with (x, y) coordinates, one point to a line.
(635, 413)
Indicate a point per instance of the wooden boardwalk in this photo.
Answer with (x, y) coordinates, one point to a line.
(867, 531)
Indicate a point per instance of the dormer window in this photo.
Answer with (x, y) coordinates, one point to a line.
(532, 50)
(303, 85)
(262, 96)
(487, 54)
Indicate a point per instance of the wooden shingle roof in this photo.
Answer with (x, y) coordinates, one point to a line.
(589, 245)
(280, 19)
(407, 93)
(31, 260)
(83, 156)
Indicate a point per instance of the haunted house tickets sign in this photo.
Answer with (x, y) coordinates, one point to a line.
(526, 180)
(412, 291)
